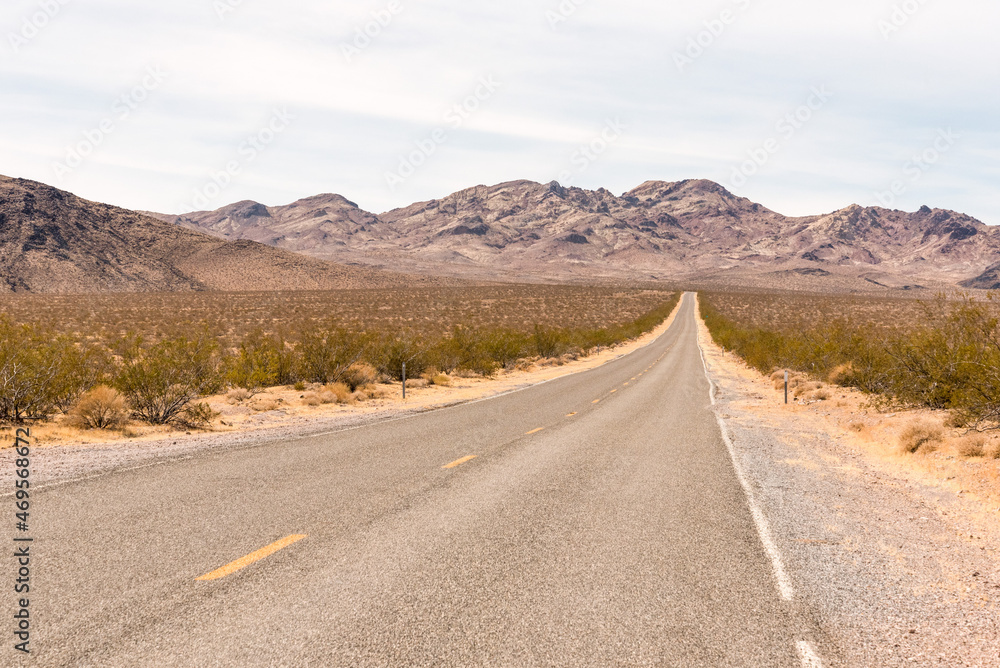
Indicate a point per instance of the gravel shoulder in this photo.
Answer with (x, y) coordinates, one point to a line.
(888, 553)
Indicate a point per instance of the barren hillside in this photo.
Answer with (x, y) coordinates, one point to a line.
(52, 241)
(692, 230)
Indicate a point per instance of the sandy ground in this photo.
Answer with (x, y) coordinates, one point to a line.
(66, 453)
(896, 555)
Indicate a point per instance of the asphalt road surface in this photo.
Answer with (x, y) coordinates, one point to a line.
(596, 519)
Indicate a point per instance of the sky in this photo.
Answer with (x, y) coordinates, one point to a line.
(800, 105)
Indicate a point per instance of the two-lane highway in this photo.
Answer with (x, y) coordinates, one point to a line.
(592, 520)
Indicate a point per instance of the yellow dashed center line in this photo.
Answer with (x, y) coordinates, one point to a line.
(252, 557)
(533, 431)
(458, 462)
(570, 414)
(595, 401)
(613, 391)
(626, 383)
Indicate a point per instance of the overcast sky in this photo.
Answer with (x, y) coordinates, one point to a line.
(801, 105)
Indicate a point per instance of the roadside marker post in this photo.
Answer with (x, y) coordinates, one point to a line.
(786, 386)
(404, 383)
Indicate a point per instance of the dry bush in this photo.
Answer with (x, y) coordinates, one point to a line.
(237, 395)
(416, 382)
(335, 393)
(841, 374)
(921, 436)
(857, 426)
(263, 403)
(195, 416)
(101, 408)
(359, 376)
(358, 396)
(299, 386)
(971, 445)
(820, 395)
(992, 450)
(312, 399)
(441, 379)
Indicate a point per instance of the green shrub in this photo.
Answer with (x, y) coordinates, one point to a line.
(949, 359)
(159, 380)
(261, 361)
(41, 373)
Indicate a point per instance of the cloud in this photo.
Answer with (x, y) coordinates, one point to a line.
(561, 83)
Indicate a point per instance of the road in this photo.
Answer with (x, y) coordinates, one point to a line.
(596, 519)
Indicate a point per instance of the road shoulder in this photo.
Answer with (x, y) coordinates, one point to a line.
(898, 570)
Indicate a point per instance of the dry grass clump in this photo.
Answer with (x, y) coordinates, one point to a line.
(311, 399)
(196, 416)
(335, 393)
(237, 395)
(100, 408)
(923, 437)
(435, 377)
(971, 445)
(359, 376)
(417, 382)
(264, 402)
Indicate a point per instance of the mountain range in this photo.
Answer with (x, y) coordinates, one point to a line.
(54, 242)
(692, 230)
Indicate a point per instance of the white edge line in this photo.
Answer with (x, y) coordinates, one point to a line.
(415, 413)
(809, 657)
(763, 528)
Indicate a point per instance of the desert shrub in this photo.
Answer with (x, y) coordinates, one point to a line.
(159, 380)
(505, 347)
(920, 436)
(40, 372)
(238, 395)
(101, 408)
(299, 386)
(388, 352)
(359, 375)
(971, 445)
(335, 393)
(261, 361)
(945, 357)
(440, 379)
(325, 353)
(549, 342)
(195, 416)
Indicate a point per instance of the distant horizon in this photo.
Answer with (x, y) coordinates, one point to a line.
(484, 185)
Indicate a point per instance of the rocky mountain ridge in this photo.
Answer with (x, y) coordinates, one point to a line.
(685, 230)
